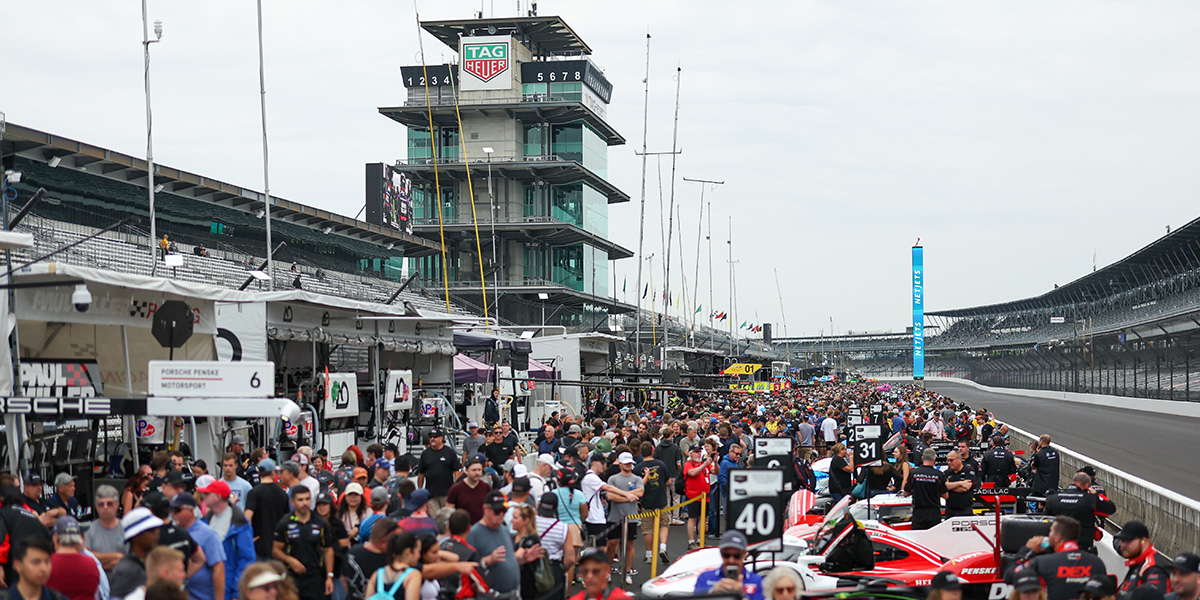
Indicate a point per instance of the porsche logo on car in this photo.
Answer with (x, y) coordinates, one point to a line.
(486, 61)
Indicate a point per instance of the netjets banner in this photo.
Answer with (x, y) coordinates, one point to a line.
(918, 306)
(486, 63)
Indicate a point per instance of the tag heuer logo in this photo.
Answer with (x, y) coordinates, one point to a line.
(485, 61)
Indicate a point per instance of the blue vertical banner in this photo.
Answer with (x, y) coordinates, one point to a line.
(918, 307)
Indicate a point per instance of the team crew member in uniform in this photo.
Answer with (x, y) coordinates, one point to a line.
(1057, 559)
(1045, 467)
(997, 464)
(733, 558)
(303, 542)
(960, 486)
(927, 486)
(1185, 577)
(1145, 567)
(1082, 503)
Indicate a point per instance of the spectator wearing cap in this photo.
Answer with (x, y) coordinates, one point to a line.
(64, 495)
(733, 554)
(104, 537)
(1146, 568)
(266, 504)
(1057, 561)
(238, 487)
(260, 582)
(381, 471)
(573, 437)
(473, 441)
(495, 545)
(303, 543)
(418, 520)
(237, 445)
(141, 534)
(176, 482)
(437, 468)
(380, 497)
(229, 523)
(208, 582)
(619, 508)
(518, 496)
(352, 509)
(74, 571)
(361, 476)
(171, 535)
(594, 569)
(289, 474)
(305, 478)
(470, 492)
(945, 586)
(34, 501)
(540, 477)
(1185, 577)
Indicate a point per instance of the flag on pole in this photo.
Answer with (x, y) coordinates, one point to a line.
(743, 325)
(698, 309)
(646, 291)
(624, 283)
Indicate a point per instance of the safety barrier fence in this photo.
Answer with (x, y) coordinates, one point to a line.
(658, 515)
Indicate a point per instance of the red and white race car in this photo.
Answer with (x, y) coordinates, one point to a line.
(841, 551)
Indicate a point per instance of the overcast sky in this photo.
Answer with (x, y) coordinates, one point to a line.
(1016, 139)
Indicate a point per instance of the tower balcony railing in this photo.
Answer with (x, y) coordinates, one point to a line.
(530, 97)
(481, 161)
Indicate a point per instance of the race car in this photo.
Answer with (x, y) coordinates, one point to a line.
(841, 551)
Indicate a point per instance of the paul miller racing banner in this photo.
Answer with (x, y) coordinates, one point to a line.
(918, 306)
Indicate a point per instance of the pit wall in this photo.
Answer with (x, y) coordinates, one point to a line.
(1173, 519)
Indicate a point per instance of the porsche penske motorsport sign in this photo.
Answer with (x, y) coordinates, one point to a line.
(486, 63)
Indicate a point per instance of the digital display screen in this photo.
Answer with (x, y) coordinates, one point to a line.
(389, 198)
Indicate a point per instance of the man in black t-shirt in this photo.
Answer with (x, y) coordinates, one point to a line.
(437, 469)
(266, 503)
(304, 543)
(961, 484)
(497, 450)
(654, 474)
(363, 560)
(927, 486)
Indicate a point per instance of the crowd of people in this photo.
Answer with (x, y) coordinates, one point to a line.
(492, 518)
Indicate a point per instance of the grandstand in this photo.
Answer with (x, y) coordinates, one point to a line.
(1131, 328)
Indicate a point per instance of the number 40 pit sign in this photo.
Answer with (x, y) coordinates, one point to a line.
(756, 506)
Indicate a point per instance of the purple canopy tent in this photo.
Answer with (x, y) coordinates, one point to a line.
(469, 370)
(538, 370)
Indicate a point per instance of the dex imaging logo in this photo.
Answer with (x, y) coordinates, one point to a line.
(486, 61)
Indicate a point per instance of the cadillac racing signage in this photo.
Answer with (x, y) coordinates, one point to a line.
(487, 62)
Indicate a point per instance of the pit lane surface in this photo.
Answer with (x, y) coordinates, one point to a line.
(1156, 447)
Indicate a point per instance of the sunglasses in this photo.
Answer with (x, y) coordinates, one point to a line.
(734, 555)
(587, 572)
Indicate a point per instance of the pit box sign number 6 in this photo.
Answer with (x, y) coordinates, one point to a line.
(756, 506)
(776, 453)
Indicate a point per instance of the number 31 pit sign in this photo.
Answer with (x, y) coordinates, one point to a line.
(756, 506)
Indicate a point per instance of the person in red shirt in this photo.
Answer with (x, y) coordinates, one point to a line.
(695, 473)
(72, 573)
(594, 567)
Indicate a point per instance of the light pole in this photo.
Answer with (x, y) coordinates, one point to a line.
(262, 95)
(146, 41)
(543, 296)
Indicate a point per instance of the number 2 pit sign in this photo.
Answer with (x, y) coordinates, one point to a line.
(211, 379)
(756, 506)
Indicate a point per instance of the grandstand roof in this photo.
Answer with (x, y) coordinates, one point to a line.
(42, 147)
(1173, 254)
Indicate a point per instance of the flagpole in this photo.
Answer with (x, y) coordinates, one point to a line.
(637, 336)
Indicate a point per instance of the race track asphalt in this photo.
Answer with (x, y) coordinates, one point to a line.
(1157, 447)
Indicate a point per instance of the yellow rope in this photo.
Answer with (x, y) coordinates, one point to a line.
(437, 184)
(462, 139)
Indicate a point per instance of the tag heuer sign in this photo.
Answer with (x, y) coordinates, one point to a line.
(485, 61)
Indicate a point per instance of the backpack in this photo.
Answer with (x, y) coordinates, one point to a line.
(805, 477)
(390, 594)
(491, 411)
(543, 576)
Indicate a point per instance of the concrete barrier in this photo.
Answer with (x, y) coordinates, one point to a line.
(1173, 519)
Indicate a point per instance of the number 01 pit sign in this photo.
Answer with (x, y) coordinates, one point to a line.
(756, 506)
